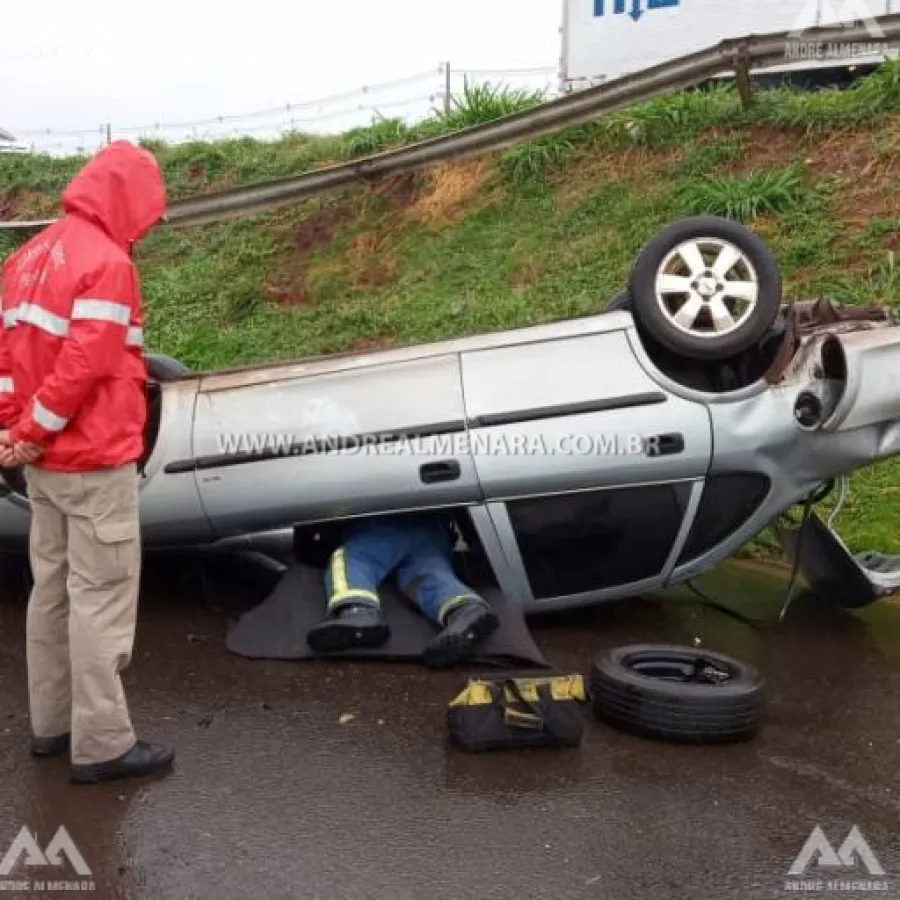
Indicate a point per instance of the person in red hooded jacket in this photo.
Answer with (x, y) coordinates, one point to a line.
(72, 410)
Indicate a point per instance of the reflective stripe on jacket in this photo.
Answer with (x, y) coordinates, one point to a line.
(72, 371)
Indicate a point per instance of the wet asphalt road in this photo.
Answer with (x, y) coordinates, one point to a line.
(273, 797)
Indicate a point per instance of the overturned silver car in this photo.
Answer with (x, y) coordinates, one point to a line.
(581, 460)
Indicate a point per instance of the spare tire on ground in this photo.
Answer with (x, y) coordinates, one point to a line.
(677, 693)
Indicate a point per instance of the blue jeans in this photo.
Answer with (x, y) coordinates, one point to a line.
(419, 548)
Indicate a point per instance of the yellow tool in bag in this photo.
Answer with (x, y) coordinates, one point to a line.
(518, 710)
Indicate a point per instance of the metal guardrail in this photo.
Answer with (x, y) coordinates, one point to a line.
(738, 54)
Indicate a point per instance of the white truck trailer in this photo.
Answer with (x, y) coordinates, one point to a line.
(605, 39)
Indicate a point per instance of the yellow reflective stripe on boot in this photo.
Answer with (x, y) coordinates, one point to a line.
(453, 602)
(339, 571)
(339, 598)
(341, 590)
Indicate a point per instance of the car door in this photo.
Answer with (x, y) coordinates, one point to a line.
(591, 470)
(364, 439)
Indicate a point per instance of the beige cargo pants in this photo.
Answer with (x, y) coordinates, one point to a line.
(85, 558)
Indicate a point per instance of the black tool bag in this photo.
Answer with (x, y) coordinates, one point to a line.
(496, 712)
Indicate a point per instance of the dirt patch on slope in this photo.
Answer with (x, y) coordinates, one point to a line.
(762, 147)
(869, 164)
(372, 260)
(866, 160)
(437, 198)
(848, 152)
(370, 257)
(322, 227)
(402, 190)
(865, 163)
(583, 176)
(449, 191)
(288, 284)
(891, 242)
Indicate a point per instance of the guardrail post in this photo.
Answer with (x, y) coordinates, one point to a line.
(447, 86)
(741, 63)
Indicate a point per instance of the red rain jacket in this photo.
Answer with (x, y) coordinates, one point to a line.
(72, 370)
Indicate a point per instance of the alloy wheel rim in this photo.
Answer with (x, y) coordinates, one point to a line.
(707, 288)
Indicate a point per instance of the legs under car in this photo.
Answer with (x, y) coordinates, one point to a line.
(418, 550)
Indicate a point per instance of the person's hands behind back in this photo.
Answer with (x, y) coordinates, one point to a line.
(25, 453)
(17, 454)
(6, 449)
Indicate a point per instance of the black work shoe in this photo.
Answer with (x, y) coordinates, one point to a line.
(360, 625)
(141, 759)
(466, 628)
(50, 746)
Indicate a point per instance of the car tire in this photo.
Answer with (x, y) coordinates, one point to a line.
(626, 694)
(165, 368)
(751, 260)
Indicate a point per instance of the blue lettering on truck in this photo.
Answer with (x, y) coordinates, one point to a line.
(635, 11)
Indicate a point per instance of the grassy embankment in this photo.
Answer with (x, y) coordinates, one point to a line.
(542, 231)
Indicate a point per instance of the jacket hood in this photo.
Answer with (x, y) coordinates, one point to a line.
(122, 190)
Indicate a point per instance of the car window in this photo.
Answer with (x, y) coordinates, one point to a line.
(727, 502)
(586, 541)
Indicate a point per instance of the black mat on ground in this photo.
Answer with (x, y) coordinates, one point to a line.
(277, 628)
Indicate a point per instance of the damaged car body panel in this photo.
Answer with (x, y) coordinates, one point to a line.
(583, 460)
(831, 409)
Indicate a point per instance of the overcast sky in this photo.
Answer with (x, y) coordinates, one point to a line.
(75, 65)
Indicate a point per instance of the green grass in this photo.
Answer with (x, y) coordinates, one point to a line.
(551, 232)
(700, 161)
(745, 198)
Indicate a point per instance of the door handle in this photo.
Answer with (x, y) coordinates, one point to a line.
(664, 444)
(447, 470)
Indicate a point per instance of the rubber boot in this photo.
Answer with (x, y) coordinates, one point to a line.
(464, 631)
(354, 625)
